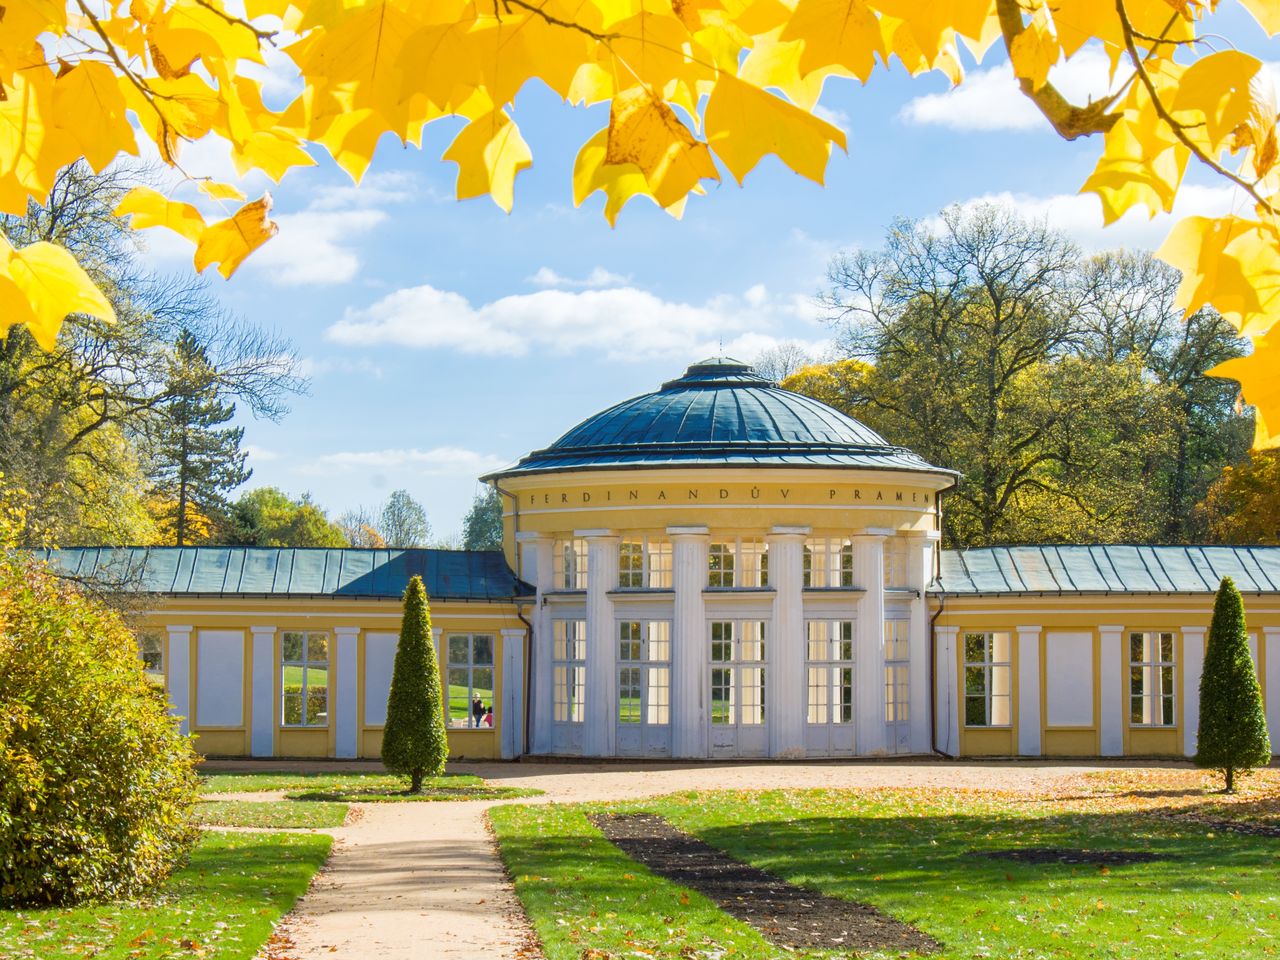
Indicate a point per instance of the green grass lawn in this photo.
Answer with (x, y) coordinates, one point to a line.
(916, 855)
(359, 787)
(221, 906)
(292, 814)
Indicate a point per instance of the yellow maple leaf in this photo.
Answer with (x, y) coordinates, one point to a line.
(150, 208)
(220, 191)
(489, 152)
(1035, 49)
(1256, 374)
(618, 181)
(1217, 89)
(646, 132)
(842, 33)
(89, 108)
(52, 285)
(744, 123)
(1266, 12)
(229, 241)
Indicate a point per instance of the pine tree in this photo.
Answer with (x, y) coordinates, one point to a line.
(413, 741)
(1233, 728)
(196, 461)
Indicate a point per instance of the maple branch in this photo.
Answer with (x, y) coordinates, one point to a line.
(538, 11)
(1070, 121)
(267, 35)
(1179, 129)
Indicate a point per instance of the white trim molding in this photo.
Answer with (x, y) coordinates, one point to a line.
(262, 692)
(346, 693)
(1193, 646)
(1111, 691)
(1029, 722)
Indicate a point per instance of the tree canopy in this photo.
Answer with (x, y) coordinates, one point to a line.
(695, 89)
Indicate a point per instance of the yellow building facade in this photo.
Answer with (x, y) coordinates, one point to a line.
(716, 569)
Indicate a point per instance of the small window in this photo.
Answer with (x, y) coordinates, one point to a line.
(743, 563)
(828, 562)
(470, 674)
(569, 670)
(897, 672)
(570, 564)
(1151, 679)
(644, 563)
(987, 680)
(151, 652)
(304, 679)
(829, 652)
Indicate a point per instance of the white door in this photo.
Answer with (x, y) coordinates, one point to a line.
(737, 687)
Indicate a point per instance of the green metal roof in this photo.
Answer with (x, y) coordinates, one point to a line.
(1112, 568)
(288, 571)
(719, 413)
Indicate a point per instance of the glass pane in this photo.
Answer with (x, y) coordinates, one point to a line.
(1166, 681)
(291, 647)
(460, 649)
(1135, 647)
(482, 685)
(292, 706)
(317, 647)
(975, 711)
(721, 696)
(1001, 710)
(1167, 711)
(482, 650)
(1000, 648)
(1166, 647)
(975, 647)
(975, 681)
(1135, 709)
(460, 700)
(317, 705)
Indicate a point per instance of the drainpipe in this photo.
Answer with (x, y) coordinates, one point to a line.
(933, 641)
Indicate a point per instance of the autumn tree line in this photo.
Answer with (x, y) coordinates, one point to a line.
(1065, 387)
(124, 433)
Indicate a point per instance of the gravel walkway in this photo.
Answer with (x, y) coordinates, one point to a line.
(422, 881)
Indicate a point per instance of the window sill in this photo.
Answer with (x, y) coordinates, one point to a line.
(642, 593)
(738, 591)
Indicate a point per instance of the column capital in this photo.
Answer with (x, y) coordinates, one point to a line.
(263, 628)
(174, 628)
(596, 533)
(946, 631)
(1270, 631)
(532, 536)
(872, 534)
(346, 631)
(932, 535)
(790, 531)
(688, 531)
(1110, 628)
(512, 633)
(1194, 631)
(1028, 630)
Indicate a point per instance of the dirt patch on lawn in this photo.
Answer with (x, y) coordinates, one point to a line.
(1099, 858)
(786, 915)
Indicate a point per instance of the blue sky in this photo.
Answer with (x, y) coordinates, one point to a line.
(444, 339)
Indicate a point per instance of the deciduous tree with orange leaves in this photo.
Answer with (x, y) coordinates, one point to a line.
(697, 90)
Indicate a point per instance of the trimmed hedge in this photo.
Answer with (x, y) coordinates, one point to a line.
(96, 783)
(414, 742)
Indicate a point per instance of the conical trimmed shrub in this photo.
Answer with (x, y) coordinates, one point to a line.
(1233, 728)
(413, 741)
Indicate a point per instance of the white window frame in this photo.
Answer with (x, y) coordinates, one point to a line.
(743, 563)
(469, 667)
(644, 667)
(158, 654)
(568, 670)
(307, 664)
(828, 562)
(746, 680)
(1145, 668)
(995, 674)
(831, 673)
(569, 564)
(897, 671)
(656, 567)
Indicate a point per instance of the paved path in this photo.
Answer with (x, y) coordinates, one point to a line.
(422, 881)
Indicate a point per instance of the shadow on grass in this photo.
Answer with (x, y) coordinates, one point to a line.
(388, 795)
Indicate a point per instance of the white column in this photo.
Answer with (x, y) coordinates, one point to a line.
(786, 644)
(946, 708)
(1028, 719)
(262, 695)
(179, 660)
(868, 565)
(346, 693)
(1193, 646)
(1111, 692)
(921, 544)
(689, 547)
(602, 646)
(1271, 684)
(511, 713)
(536, 569)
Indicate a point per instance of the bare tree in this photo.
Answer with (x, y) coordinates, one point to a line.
(781, 361)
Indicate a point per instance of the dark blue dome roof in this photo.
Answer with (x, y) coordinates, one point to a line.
(721, 412)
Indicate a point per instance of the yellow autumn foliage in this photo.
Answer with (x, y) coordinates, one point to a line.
(696, 88)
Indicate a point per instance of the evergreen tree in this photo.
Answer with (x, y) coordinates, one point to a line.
(413, 741)
(1233, 729)
(197, 460)
(482, 527)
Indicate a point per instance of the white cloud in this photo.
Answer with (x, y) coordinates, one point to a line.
(598, 277)
(991, 100)
(259, 454)
(438, 461)
(316, 247)
(320, 366)
(623, 323)
(1080, 215)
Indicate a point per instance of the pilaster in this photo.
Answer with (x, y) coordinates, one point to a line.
(346, 693)
(1111, 691)
(262, 693)
(946, 708)
(689, 547)
(511, 711)
(921, 546)
(179, 660)
(786, 645)
(536, 568)
(1028, 717)
(1271, 683)
(868, 562)
(602, 647)
(1193, 647)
